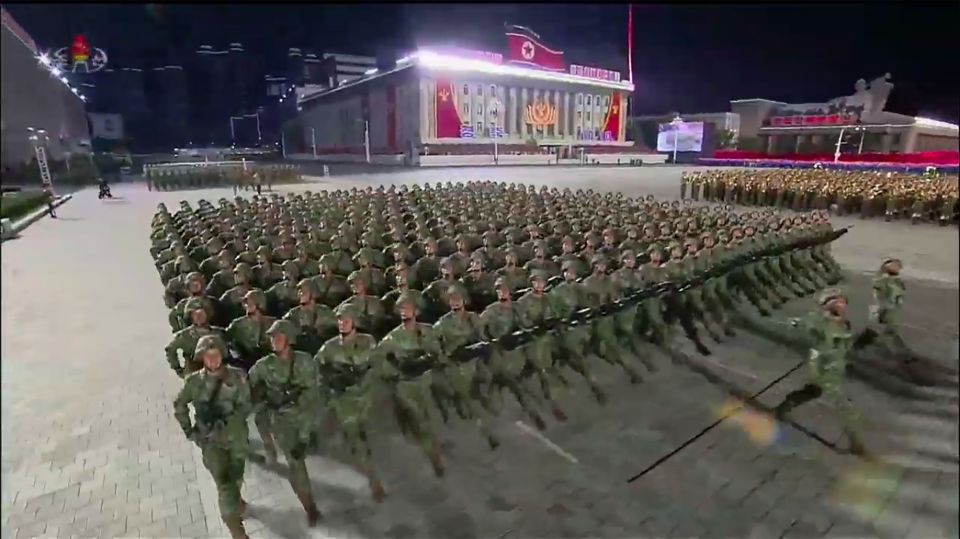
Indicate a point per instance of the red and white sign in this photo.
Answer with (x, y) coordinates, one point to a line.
(820, 119)
(523, 49)
(594, 73)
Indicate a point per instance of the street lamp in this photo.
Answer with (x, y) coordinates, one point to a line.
(494, 107)
(676, 123)
(366, 138)
(863, 135)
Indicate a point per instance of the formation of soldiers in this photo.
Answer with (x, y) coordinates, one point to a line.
(870, 194)
(238, 176)
(434, 299)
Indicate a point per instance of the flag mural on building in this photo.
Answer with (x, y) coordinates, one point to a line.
(448, 119)
(524, 48)
(611, 124)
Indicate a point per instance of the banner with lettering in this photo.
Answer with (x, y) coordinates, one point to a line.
(447, 115)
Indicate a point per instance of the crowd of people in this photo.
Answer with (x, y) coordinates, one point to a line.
(434, 299)
(867, 193)
(238, 176)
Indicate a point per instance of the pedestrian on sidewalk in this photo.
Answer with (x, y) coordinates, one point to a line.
(258, 182)
(49, 197)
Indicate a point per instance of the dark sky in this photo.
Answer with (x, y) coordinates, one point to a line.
(687, 58)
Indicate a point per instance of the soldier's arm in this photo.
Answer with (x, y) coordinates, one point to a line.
(172, 357)
(181, 411)
(244, 405)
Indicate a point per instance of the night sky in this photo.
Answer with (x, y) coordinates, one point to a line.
(687, 58)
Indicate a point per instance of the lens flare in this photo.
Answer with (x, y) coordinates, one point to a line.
(761, 428)
(865, 488)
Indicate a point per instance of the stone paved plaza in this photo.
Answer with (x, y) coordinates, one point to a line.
(91, 449)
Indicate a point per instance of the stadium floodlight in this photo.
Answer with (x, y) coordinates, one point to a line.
(370, 71)
(44, 59)
(64, 80)
(56, 71)
(83, 98)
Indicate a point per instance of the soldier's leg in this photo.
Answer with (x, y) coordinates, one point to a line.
(747, 284)
(413, 412)
(540, 358)
(834, 392)
(683, 188)
(797, 397)
(506, 375)
(571, 345)
(608, 348)
(264, 428)
(227, 471)
(695, 191)
(678, 310)
(627, 329)
(714, 306)
(698, 312)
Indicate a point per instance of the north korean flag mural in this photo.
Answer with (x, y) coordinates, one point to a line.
(448, 117)
(611, 125)
(524, 47)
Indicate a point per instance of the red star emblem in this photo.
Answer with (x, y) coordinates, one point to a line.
(527, 50)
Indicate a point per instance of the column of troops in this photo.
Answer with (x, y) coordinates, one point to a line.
(237, 176)
(867, 193)
(349, 303)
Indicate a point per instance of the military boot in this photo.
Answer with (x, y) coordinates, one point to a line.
(234, 524)
(313, 514)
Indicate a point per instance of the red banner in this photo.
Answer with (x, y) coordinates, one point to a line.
(527, 50)
(611, 125)
(392, 117)
(448, 117)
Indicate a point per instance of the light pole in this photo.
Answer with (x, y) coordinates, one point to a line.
(836, 153)
(676, 123)
(863, 135)
(313, 141)
(494, 107)
(366, 138)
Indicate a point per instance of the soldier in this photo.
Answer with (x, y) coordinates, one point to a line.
(195, 286)
(338, 260)
(284, 387)
(284, 295)
(627, 280)
(569, 253)
(513, 276)
(222, 279)
(407, 355)
(427, 268)
(679, 306)
(221, 400)
(602, 291)
(436, 293)
(185, 340)
(506, 365)
(266, 273)
(828, 359)
(468, 379)
(371, 314)
(389, 300)
(478, 285)
(247, 335)
(570, 297)
(330, 288)
(343, 362)
(232, 300)
(315, 322)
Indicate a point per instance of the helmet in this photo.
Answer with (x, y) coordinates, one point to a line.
(258, 297)
(829, 295)
(193, 304)
(285, 327)
(209, 342)
(627, 254)
(538, 274)
(347, 310)
(501, 283)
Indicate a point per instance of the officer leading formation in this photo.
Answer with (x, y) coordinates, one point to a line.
(415, 301)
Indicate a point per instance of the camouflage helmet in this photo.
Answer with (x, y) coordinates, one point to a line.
(627, 253)
(890, 260)
(355, 276)
(257, 297)
(209, 342)
(569, 264)
(291, 267)
(195, 276)
(538, 274)
(285, 327)
(501, 283)
(193, 304)
(347, 310)
(406, 298)
(828, 295)
(243, 270)
(306, 285)
(598, 259)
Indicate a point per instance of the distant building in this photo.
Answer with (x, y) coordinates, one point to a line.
(338, 69)
(169, 98)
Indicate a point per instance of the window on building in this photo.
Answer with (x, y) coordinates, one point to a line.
(596, 100)
(606, 101)
(579, 133)
(588, 100)
(479, 90)
(588, 117)
(579, 115)
(466, 89)
(579, 98)
(596, 134)
(466, 108)
(479, 110)
(479, 130)
(493, 89)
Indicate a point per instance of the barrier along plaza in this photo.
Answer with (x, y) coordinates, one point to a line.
(326, 315)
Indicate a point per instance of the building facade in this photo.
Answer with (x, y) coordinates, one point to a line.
(858, 121)
(431, 102)
(31, 96)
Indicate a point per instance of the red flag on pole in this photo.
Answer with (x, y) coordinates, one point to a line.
(524, 48)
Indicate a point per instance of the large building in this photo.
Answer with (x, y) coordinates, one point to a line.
(35, 95)
(450, 101)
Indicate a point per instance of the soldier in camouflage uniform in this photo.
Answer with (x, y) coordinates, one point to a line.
(314, 321)
(407, 356)
(343, 362)
(828, 359)
(221, 400)
(285, 393)
(537, 309)
(195, 288)
(185, 340)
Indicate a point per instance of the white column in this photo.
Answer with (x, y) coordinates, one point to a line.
(523, 109)
(556, 104)
(565, 117)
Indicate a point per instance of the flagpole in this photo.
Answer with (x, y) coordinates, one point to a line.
(630, 41)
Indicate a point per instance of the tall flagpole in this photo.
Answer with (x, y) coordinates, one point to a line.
(630, 41)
